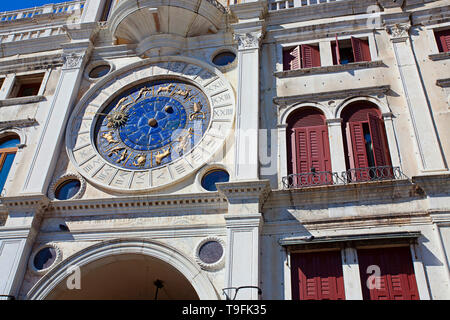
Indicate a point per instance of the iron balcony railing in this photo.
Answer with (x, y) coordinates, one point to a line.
(320, 178)
(373, 174)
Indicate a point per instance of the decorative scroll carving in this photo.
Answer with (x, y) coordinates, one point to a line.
(73, 60)
(399, 31)
(248, 40)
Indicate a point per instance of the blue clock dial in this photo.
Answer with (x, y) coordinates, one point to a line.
(152, 124)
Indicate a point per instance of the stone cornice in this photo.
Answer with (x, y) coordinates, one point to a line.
(35, 62)
(434, 184)
(251, 190)
(249, 10)
(17, 123)
(329, 69)
(338, 94)
(211, 201)
(36, 203)
(444, 83)
(439, 56)
(21, 100)
(363, 192)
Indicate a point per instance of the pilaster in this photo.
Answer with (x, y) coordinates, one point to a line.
(430, 158)
(243, 221)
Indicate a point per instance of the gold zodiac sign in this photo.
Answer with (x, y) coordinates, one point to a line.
(123, 156)
(109, 137)
(160, 156)
(141, 92)
(184, 93)
(115, 151)
(140, 160)
(197, 114)
(119, 117)
(165, 89)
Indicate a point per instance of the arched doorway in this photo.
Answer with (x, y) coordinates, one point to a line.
(126, 269)
(124, 277)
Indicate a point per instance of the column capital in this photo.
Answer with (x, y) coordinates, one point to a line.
(75, 54)
(399, 32)
(248, 38)
(334, 122)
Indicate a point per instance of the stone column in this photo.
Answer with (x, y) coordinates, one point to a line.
(247, 115)
(336, 145)
(244, 222)
(350, 270)
(430, 158)
(75, 55)
(17, 239)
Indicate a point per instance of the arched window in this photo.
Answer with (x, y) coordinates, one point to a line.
(8, 149)
(308, 148)
(365, 141)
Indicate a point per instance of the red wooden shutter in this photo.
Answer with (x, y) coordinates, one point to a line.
(310, 56)
(317, 276)
(291, 58)
(443, 40)
(361, 51)
(359, 151)
(377, 135)
(397, 279)
(312, 151)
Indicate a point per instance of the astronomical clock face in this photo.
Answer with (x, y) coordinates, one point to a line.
(151, 125)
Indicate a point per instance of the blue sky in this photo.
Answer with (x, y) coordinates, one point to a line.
(9, 5)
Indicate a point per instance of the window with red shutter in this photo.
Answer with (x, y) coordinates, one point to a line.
(310, 56)
(361, 51)
(308, 145)
(397, 279)
(317, 276)
(443, 40)
(291, 58)
(366, 143)
(304, 56)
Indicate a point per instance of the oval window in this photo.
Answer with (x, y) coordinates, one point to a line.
(224, 58)
(44, 258)
(211, 178)
(67, 189)
(99, 71)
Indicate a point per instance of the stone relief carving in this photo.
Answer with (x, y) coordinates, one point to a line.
(248, 40)
(73, 60)
(399, 30)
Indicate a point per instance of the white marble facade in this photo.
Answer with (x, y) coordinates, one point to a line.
(165, 215)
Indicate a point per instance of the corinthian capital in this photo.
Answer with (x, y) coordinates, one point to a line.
(73, 60)
(248, 40)
(399, 31)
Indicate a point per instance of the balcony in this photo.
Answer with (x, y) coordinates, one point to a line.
(64, 8)
(275, 5)
(133, 21)
(322, 178)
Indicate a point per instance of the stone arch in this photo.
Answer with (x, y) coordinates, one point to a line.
(383, 107)
(188, 268)
(296, 107)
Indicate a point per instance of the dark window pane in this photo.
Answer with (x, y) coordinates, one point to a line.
(210, 252)
(10, 143)
(211, 178)
(99, 71)
(224, 58)
(67, 190)
(4, 170)
(44, 258)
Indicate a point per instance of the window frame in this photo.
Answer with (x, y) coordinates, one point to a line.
(4, 152)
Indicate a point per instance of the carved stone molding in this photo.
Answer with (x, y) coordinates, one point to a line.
(248, 40)
(73, 60)
(399, 31)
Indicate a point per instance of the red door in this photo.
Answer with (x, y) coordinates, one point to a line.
(317, 276)
(397, 279)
